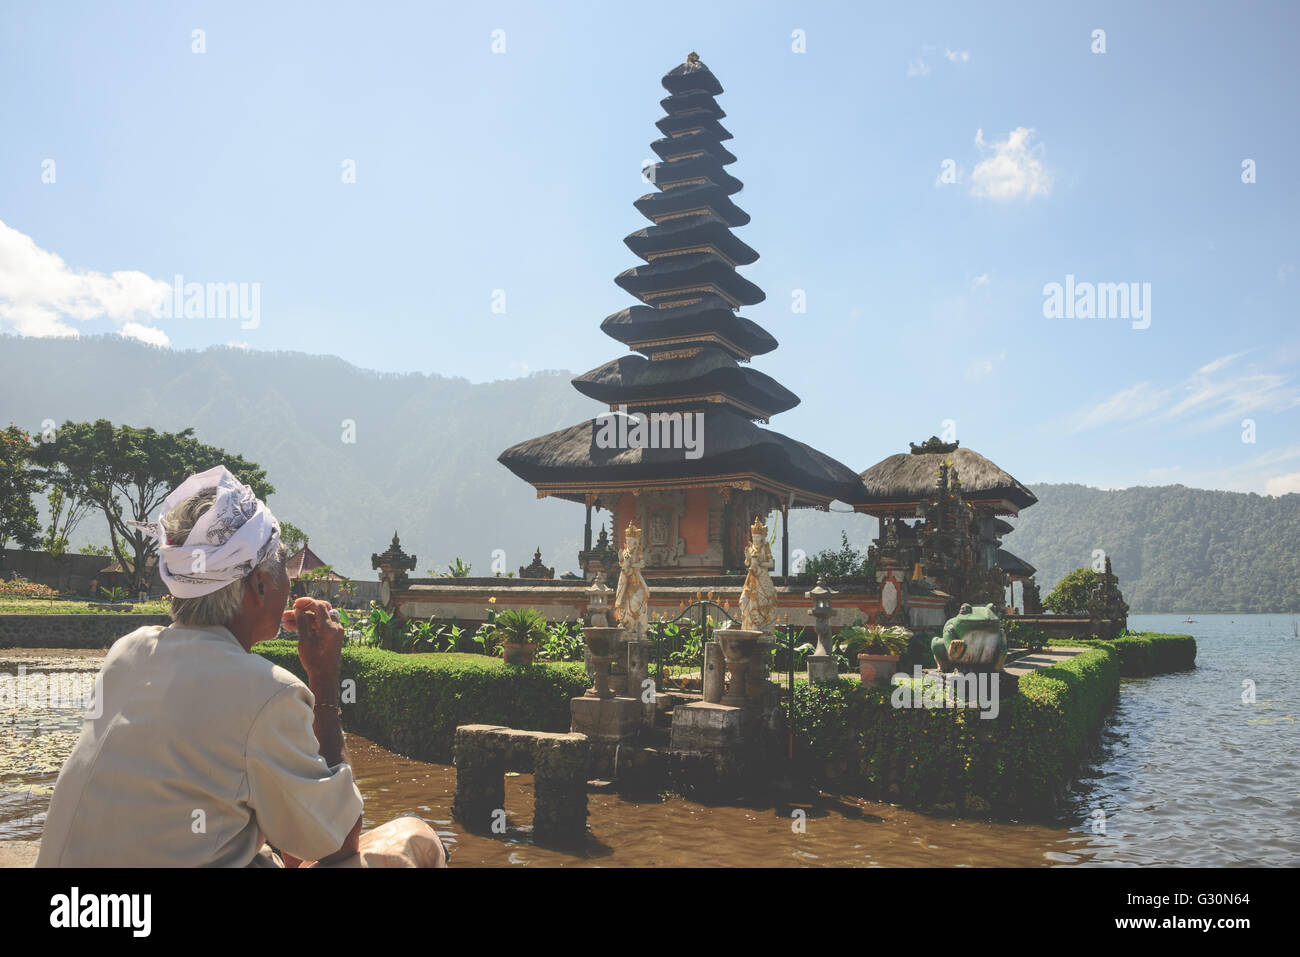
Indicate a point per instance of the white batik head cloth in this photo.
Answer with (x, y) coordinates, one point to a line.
(227, 542)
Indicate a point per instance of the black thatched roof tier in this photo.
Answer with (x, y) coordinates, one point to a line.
(688, 232)
(688, 144)
(679, 123)
(687, 171)
(639, 326)
(1003, 528)
(910, 477)
(679, 277)
(692, 199)
(690, 338)
(570, 462)
(689, 382)
(1014, 565)
(689, 76)
(697, 101)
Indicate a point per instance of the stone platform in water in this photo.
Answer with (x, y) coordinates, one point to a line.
(558, 762)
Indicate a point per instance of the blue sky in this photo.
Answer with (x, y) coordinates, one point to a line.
(478, 171)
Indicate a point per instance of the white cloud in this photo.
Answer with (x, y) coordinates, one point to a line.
(957, 56)
(1015, 168)
(1284, 272)
(148, 334)
(983, 280)
(1216, 364)
(1131, 403)
(917, 67)
(1282, 484)
(40, 295)
(1209, 398)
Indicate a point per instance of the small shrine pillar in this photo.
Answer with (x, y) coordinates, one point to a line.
(821, 663)
(392, 565)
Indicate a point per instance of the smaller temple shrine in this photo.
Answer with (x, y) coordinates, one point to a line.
(940, 543)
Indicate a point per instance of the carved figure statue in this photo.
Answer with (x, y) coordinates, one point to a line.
(758, 596)
(632, 600)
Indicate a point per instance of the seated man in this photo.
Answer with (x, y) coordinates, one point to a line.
(203, 753)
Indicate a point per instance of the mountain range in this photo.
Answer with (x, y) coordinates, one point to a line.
(422, 462)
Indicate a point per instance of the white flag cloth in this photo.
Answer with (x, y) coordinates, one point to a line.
(227, 542)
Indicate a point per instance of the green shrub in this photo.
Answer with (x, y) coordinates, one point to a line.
(1019, 762)
(1022, 635)
(1142, 654)
(412, 703)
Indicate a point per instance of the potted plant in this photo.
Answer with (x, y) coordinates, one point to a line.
(115, 600)
(520, 631)
(877, 649)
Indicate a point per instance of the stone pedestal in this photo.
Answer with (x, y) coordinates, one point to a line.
(704, 726)
(744, 650)
(608, 723)
(606, 719)
(715, 748)
(618, 676)
(638, 671)
(713, 682)
(822, 669)
(601, 643)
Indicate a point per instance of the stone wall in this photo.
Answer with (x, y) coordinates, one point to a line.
(467, 599)
(71, 631)
(74, 573)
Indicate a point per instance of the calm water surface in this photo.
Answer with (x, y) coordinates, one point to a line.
(1186, 774)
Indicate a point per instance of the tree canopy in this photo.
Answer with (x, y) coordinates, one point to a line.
(18, 519)
(1071, 594)
(126, 472)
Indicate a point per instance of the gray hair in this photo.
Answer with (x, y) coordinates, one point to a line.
(221, 606)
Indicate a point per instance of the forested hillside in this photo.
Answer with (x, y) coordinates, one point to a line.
(1175, 549)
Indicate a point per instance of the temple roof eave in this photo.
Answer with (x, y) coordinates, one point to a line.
(678, 277)
(572, 460)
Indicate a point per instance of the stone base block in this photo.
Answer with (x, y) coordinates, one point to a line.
(606, 719)
(704, 726)
(822, 669)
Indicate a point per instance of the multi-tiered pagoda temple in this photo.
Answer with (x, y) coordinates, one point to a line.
(688, 369)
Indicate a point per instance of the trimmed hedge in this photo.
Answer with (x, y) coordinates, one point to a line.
(948, 759)
(411, 704)
(1142, 654)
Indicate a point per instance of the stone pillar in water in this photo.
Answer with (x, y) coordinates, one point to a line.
(715, 673)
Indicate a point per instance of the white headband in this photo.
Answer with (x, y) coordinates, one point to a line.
(227, 542)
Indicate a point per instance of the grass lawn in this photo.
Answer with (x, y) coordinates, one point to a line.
(41, 606)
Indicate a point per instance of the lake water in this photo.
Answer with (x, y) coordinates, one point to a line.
(1186, 773)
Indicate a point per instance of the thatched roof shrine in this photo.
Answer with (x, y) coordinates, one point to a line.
(907, 479)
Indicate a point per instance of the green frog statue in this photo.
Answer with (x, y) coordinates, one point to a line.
(972, 642)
